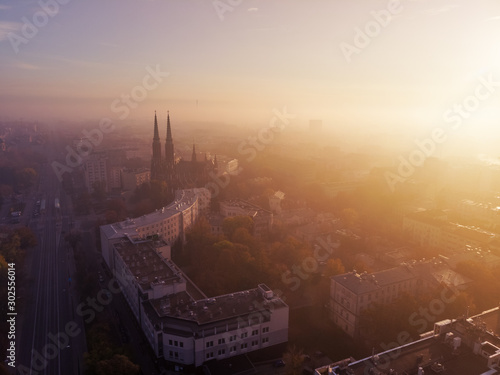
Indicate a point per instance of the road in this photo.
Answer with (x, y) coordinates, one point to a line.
(51, 338)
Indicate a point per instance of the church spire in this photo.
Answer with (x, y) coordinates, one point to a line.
(169, 155)
(156, 136)
(156, 158)
(193, 157)
(169, 131)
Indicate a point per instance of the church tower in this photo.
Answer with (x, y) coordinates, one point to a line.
(156, 162)
(169, 155)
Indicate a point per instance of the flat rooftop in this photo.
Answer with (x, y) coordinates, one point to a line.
(183, 200)
(364, 283)
(244, 205)
(183, 306)
(148, 267)
(435, 354)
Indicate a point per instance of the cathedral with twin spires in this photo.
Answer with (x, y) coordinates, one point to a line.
(178, 173)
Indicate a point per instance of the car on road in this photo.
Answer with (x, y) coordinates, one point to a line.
(279, 363)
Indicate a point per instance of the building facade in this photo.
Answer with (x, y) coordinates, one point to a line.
(432, 229)
(352, 293)
(96, 171)
(133, 178)
(262, 219)
(186, 331)
(168, 223)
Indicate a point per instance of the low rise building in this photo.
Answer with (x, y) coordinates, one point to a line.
(352, 293)
(431, 228)
(263, 219)
(133, 178)
(464, 346)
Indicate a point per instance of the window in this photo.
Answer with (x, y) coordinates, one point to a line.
(221, 351)
(265, 330)
(244, 346)
(171, 353)
(169, 342)
(265, 340)
(232, 338)
(181, 344)
(244, 335)
(255, 332)
(222, 341)
(209, 344)
(210, 355)
(255, 342)
(232, 349)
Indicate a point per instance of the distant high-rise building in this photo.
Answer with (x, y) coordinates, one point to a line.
(96, 171)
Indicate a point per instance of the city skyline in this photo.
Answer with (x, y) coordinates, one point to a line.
(213, 61)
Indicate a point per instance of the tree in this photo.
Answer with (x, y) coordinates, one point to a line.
(73, 238)
(82, 204)
(27, 237)
(230, 224)
(26, 177)
(99, 190)
(293, 359)
(10, 249)
(118, 206)
(118, 365)
(159, 193)
(350, 217)
(334, 267)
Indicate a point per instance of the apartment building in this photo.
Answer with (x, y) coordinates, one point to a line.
(433, 229)
(184, 327)
(464, 346)
(263, 219)
(351, 293)
(168, 223)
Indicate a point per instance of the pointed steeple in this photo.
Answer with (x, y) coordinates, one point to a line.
(169, 130)
(156, 136)
(156, 172)
(193, 157)
(169, 154)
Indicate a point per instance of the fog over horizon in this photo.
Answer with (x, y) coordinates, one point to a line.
(400, 68)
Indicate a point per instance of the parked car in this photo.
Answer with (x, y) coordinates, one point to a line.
(279, 363)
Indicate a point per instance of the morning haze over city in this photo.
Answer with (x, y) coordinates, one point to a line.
(249, 187)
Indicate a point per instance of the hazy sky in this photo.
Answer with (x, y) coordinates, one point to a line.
(238, 62)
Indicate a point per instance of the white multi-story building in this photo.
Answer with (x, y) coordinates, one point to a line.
(186, 331)
(168, 223)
